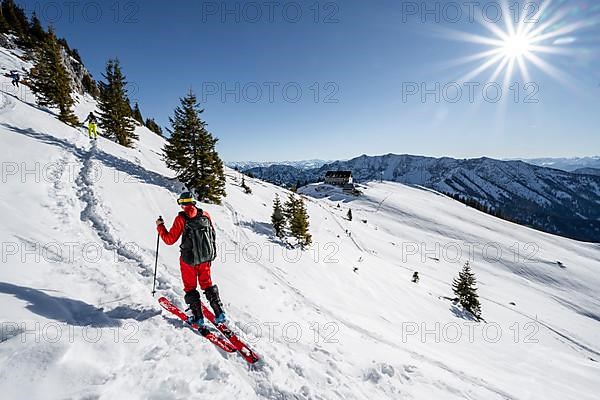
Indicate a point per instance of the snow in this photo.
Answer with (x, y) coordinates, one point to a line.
(301, 164)
(78, 321)
(566, 164)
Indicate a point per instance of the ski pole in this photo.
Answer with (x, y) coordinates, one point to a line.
(156, 261)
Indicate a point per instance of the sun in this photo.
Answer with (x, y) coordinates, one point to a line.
(516, 45)
(509, 47)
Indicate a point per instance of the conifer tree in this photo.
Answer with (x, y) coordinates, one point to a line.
(277, 218)
(289, 208)
(4, 27)
(37, 33)
(297, 220)
(465, 289)
(349, 215)
(299, 225)
(153, 126)
(50, 80)
(75, 54)
(15, 18)
(115, 113)
(191, 152)
(90, 85)
(71, 52)
(137, 114)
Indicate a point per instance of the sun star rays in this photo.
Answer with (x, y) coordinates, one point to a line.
(512, 47)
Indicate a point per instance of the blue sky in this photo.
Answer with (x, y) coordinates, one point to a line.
(355, 63)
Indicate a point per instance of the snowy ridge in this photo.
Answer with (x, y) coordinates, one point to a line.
(79, 238)
(555, 201)
(566, 164)
(587, 171)
(302, 164)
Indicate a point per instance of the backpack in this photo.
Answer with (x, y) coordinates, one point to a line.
(198, 244)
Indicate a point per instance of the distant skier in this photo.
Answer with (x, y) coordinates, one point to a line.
(198, 250)
(16, 78)
(92, 127)
(415, 277)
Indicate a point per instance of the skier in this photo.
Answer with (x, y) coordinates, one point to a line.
(16, 78)
(92, 128)
(198, 250)
(415, 277)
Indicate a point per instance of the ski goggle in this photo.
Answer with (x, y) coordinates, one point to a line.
(185, 201)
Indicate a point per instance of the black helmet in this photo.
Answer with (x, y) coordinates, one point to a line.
(186, 198)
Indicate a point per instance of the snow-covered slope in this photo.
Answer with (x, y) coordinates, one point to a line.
(78, 320)
(553, 201)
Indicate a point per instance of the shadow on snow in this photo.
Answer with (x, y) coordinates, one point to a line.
(136, 171)
(71, 311)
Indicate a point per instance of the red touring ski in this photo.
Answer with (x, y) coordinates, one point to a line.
(240, 346)
(216, 340)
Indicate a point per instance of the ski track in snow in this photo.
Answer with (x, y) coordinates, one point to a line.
(473, 380)
(59, 173)
(377, 338)
(263, 387)
(563, 336)
(94, 214)
(555, 331)
(334, 217)
(6, 104)
(61, 200)
(373, 336)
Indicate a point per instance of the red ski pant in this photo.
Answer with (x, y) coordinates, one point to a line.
(192, 275)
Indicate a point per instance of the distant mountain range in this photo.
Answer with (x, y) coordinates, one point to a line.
(584, 165)
(566, 164)
(302, 164)
(551, 200)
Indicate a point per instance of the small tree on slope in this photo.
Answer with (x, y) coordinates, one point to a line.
(191, 153)
(297, 219)
(289, 208)
(37, 34)
(277, 218)
(90, 85)
(153, 126)
(115, 112)
(465, 289)
(137, 114)
(50, 81)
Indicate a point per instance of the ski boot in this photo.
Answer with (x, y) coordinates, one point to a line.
(212, 295)
(192, 299)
